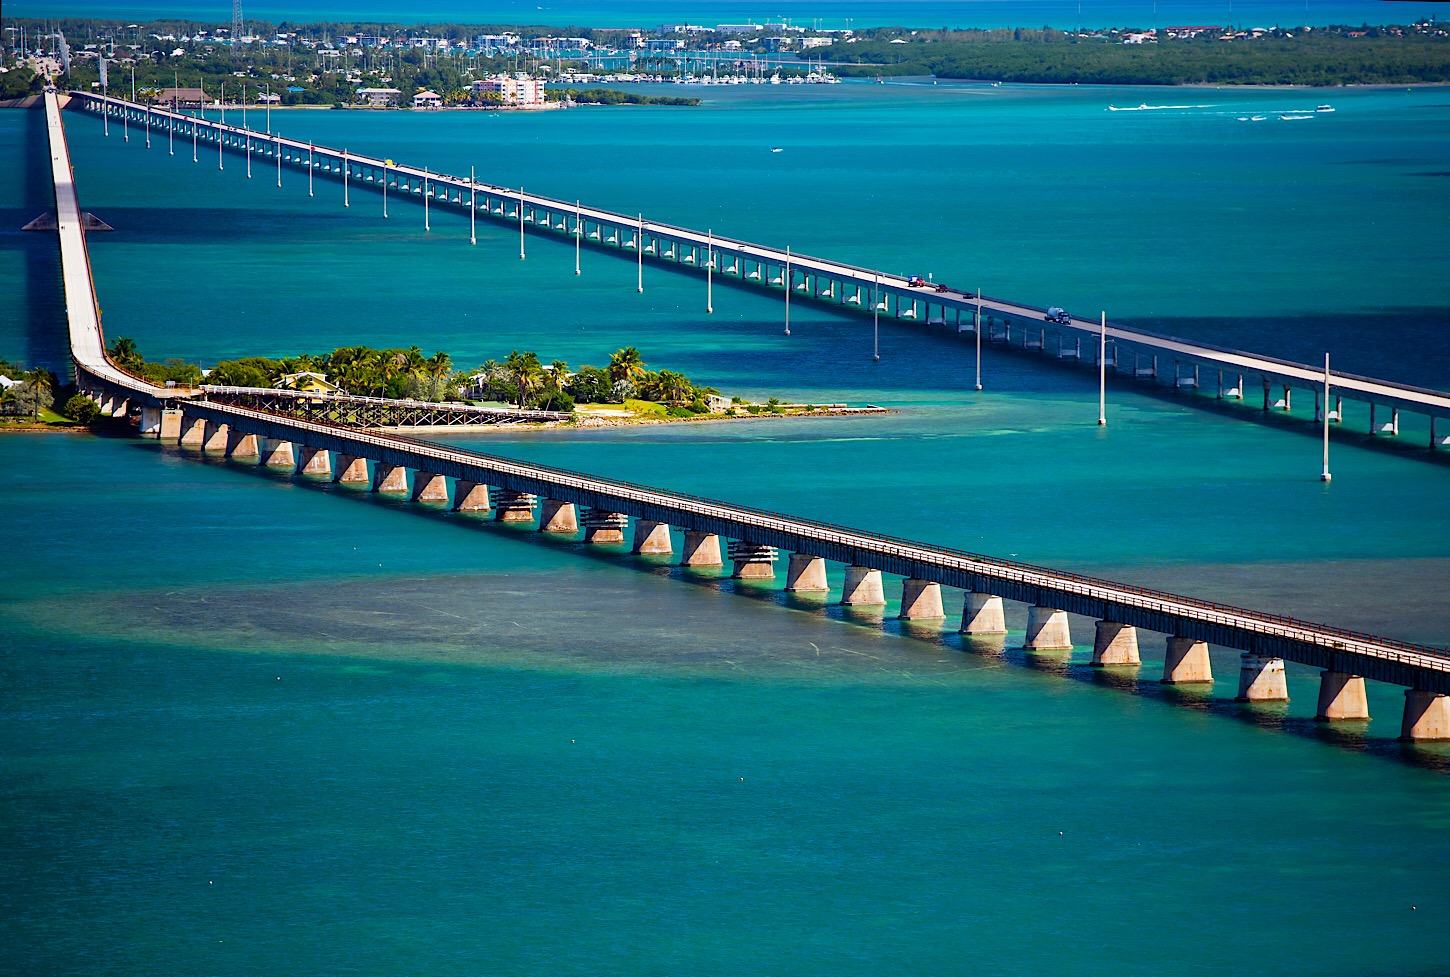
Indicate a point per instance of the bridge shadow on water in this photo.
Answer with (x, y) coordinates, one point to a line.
(936, 638)
(44, 329)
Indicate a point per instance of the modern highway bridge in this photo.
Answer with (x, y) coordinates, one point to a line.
(1106, 346)
(566, 502)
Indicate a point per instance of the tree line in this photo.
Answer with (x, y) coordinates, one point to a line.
(521, 378)
(1316, 58)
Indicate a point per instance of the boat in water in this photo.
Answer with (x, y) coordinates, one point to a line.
(1325, 108)
(1287, 117)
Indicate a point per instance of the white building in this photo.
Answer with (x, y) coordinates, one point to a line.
(378, 97)
(427, 100)
(515, 89)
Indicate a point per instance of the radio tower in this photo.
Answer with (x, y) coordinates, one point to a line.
(237, 29)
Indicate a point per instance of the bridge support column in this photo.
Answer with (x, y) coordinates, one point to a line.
(1047, 629)
(351, 470)
(513, 506)
(752, 561)
(470, 496)
(1427, 716)
(240, 445)
(1342, 698)
(316, 461)
(652, 538)
(215, 438)
(151, 423)
(428, 487)
(389, 478)
(862, 587)
(1261, 679)
(701, 550)
(982, 614)
(171, 421)
(558, 517)
(1115, 644)
(806, 574)
(603, 526)
(1186, 662)
(278, 454)
(921, 600)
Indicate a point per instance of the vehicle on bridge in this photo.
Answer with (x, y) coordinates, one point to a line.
(1057, 315)
(915, 281)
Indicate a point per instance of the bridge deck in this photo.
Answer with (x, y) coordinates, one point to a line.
(1402, 663)
(1433, 402)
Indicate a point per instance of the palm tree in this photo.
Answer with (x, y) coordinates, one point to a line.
(440, 364)
(525, 373)
(625, 364)
(674, 388)
(124, 352)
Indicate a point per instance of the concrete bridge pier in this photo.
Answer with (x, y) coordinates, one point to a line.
(921, 600)
(862, 587)
(1261, 679)
(558, 517)
(1342, 698)
(1047, 629)
(982, 614)
(701, 550)
(1427, 716)
(316, 461)
(428, 487)
(389, 479)
(215, 438)
(351, 470)
(806, 574)
(1115, 644)
(278, 454)
(1186, 662)
(241, 445)
(470, 496)
(193, 432)
(603, 526)
(513, 506)
(752, 561)
(652, 538)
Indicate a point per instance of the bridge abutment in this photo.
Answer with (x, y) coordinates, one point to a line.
(1342, 698)
(1115, 644)
(1047, 629)
(806, 574)
(1186, 662)
(1261, 679)
(921, 600)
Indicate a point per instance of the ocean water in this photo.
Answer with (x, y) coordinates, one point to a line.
(832, 14)
(259, 725)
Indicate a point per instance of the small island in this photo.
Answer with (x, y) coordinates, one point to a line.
(623, 391)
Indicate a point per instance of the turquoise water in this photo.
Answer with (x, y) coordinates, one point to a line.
(254, 725)
(834, 14)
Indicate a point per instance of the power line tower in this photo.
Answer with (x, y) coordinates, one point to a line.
(237, 28)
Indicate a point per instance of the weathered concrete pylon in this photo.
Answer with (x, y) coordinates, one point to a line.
(1115, 644)
(1261, 679)
(351, 470)
(470, 496)
(1047, 629)
(1186, 662)
(316, 461)
(558, 517)
(921, 600)
(752, 561)
(390, 479)
(512, 506)
(701, 550)
(862, 587)
(603, 526)
(428, 487)
(806, 574)
(1427, 716)
(982, 614)
(652, 538)
(1342, 698)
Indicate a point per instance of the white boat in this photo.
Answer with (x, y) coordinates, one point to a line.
(1325, 108)
(1294, 118)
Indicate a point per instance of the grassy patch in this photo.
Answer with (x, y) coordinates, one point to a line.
(645, 407)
